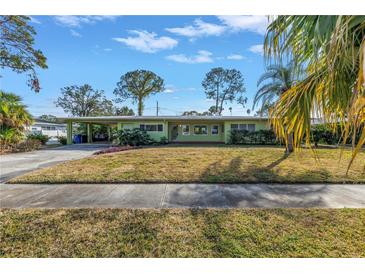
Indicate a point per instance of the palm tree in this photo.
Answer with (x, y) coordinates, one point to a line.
(13, 119)
(331, 49)
(280, 80)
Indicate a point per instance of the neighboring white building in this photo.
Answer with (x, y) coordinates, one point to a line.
(52, 130)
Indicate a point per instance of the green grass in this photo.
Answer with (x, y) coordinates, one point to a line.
(206, 164)
(182, 233)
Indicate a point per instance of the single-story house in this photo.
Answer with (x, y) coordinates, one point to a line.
(176, 129)
(51, 129)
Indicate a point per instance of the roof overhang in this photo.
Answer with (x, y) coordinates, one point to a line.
(116, 119)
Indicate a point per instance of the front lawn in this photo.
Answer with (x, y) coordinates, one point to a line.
(205, 164)
(182, 233)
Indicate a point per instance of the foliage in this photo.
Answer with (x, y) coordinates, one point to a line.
(62, 140)
(210, 112)
(28, 145)
(13, 119)
(134, 137)
(260, 137)
(280, 80)
(16, 48)
(330, 135)
(137, 85)
(48, 118)
(331, 49)
(164, 140)
(224, 85)
(38, 136)
(84, 101)
(114, 149)
(123, 111)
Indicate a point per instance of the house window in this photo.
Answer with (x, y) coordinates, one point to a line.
(151, 127)
(215, 129)
(34, 129)
(234, 126)
(200, 130)
(240, 126)
(185, 129)
(251, 127)
(48, 128)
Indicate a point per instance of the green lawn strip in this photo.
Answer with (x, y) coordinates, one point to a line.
(206, 164)
(182, 233)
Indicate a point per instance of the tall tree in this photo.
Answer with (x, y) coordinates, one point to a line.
(48, 117)
(224, 85)
(123, 111)
(17, 48)
(84, 101)
(137, 85)
(332, 51)
(13, 119)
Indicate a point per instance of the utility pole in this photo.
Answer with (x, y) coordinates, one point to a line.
(156, 108)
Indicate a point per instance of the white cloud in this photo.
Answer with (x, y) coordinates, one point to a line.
(147, 41)
(75, 33)
(253, 23)
(169, 90)
(258, 49)
(198, 29)
(107, 49)
(235, 57)
(203, 56)
(176, 97)
(34, 20)
(73, 21)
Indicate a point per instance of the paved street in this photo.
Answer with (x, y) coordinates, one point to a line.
(181, 195)
(15, 164)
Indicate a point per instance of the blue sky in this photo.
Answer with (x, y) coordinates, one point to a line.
(181, 49)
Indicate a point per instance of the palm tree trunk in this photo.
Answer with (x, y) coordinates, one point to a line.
(289, 147)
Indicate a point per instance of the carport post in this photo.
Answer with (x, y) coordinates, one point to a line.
(69, 132)
(89, 133)
(109, 133)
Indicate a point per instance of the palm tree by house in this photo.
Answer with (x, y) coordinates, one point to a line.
(13, 119)
(331, 49)
(272, 84)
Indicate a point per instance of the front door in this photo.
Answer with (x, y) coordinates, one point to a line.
(174, 132)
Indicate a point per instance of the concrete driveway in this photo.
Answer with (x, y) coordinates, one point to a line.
(181, 195)
(15, 164)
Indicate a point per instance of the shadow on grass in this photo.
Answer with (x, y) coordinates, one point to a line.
(237, 172)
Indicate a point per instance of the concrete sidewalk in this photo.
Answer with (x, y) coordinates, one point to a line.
(181, 195)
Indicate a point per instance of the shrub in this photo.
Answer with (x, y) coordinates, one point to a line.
(134, 137)
(38, 136)
(28, 145)
(260, 137)
(164, 140)
(62, 140)
(324, 134)
(114, 149)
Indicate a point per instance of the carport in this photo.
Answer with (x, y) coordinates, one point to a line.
(89, 122)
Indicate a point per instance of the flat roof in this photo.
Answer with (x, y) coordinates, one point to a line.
(160, 118)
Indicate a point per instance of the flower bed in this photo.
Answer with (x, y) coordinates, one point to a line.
(115, 149)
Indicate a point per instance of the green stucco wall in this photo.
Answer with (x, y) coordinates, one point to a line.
(155, 135)
(258, 126)
(222, 136)
(197, 138)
